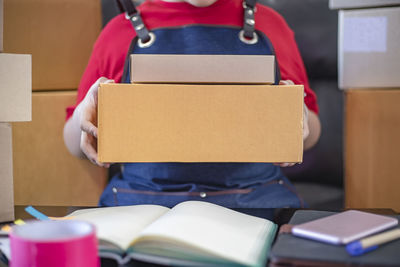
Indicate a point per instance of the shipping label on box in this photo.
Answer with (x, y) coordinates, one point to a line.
(6, 174)
(200, 123)
(15, 87)
(369, 48)
(245, 69)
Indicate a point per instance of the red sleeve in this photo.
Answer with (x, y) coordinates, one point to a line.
(287, 53)
(107, 58)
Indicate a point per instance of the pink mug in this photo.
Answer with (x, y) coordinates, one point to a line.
(66, 243)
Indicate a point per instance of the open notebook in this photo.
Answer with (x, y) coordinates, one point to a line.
(192, 233)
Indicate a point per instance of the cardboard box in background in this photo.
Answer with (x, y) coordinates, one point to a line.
(372, 149)
(15, 105)
(59, 34)
(6, 174)
(369, 54)
(346, 4)
(15, 87)
(45, 173)
(200, 123)
(1, 25)
(244, 69)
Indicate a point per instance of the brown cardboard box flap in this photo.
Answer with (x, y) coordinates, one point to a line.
(244, 69)
(200, 123)
(6, 174)
(15, 87)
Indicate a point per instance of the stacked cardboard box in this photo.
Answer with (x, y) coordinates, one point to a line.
(369, 47)
(59, 35)
(372, 149)
(15, 105)
(45, 173)
(369, 63)
(1, 25)
(186, 112)
(6, 174)
(200, 123)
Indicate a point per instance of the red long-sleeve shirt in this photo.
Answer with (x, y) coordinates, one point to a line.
(111, 48)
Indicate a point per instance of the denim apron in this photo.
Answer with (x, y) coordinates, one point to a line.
(233, 185)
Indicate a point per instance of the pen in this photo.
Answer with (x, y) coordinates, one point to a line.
(367, 244)
(37, 214)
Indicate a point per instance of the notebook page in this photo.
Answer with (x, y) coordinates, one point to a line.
(219, 231)
(120, 225)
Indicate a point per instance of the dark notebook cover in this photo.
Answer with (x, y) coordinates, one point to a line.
(290, 250)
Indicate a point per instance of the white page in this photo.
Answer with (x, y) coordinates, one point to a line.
(217, 230)
(120, 225)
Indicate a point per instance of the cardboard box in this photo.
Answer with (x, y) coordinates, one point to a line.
(1, 25)
(6, 174)
(59, 35)
(346, 4)
(200, 123)
(244, 69)
(15, 87)
(372, 149)
(45, 173)
(369, 48)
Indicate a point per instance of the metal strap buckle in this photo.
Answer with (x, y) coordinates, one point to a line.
(142, 44)
(245, 40)
(141, 30)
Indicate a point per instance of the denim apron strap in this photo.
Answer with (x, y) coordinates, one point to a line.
(146, 38)
(248, 34)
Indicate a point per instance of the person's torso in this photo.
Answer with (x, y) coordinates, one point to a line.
(230, 184)
(199, 39)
